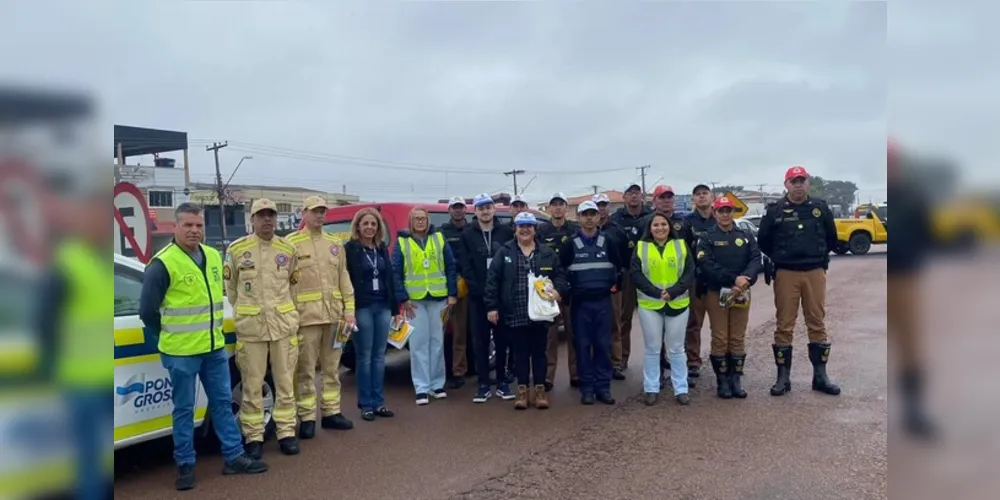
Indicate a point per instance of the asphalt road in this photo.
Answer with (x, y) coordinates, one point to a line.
(804, 445)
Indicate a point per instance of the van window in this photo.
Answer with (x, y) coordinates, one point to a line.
(342, 228)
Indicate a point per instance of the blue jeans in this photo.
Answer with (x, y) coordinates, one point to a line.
(91, 411)
(213, 369)
(657, 330)
(591, 322)
(369, 350)
(427, 346)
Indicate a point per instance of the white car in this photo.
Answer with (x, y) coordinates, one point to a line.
(142, 386)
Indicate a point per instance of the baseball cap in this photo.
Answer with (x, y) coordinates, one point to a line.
(661, 190)
(600, 198)
(518, 199)
(795, 172)
(313, 202)
(482, 199)
(456, 200)
(525, 219)
(722, 202)
(633, 185)
(557, 196)
(700, 186)
(262, 204)
(587, 205)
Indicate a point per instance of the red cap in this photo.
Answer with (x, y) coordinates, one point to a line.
(796, 171)
(661, 190)
(723, 202)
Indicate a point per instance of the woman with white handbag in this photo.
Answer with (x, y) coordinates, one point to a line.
(523, 287)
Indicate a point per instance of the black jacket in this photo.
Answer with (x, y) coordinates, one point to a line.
(724, 255)
(474, 254)
(798, 236)
(453, 236)
(501, 280)
(555, 237)
(620, 240)
(362, 287)
(684, 284)
(631, 225)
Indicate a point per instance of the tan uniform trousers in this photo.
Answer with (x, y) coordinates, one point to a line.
(696, 319)
(459, 318)
(316, 343)
(252, 359)
(624, 304)
(902, 313)
(729, 326)
(552, 352)
(792, 288)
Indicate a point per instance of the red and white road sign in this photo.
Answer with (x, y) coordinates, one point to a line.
(133, 234)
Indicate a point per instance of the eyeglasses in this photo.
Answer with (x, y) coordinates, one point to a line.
(420, 219)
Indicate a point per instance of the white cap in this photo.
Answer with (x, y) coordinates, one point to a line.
(587, 205)
(482, 199)
(632, 185)
(601, 198)
(517, 199)
(557, 196)
(456, 200)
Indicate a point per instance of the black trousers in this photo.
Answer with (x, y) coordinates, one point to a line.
(530, 357)
(483, 332)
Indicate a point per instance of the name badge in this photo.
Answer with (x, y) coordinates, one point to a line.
(374, 284)
(489, 262)
(427, 264)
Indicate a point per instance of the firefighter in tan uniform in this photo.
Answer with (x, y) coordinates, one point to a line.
(259, 271)
(325, 299)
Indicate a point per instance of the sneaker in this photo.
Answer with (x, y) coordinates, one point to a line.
(504, 392)
(440, 394)
(683, 399)
(243, 464)
(185, 478)
(606, 398)
(650, 398)
(482, 394)
(587, 399)
(423, 399)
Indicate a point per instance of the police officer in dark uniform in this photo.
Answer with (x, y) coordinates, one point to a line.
(457, 358)
(700, 220)
(727, 257)
(663, 203)
(620, 241)
(629, 218)
(798, 234)
(554, 234)
(594, 266)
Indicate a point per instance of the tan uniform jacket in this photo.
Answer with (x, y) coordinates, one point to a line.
(258, 277)
(323, 289)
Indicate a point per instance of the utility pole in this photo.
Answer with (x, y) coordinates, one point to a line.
(642, 175)
(595, 187)
(220, 190)
(713, 183)
(760, 189)
(514, 174)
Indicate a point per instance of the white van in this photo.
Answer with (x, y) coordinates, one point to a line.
(142, 386)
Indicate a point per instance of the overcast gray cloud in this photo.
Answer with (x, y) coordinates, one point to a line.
(729, 92)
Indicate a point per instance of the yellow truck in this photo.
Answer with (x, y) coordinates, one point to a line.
(868, 227)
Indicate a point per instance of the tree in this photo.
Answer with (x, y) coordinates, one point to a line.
(723, 189)
(840, 192)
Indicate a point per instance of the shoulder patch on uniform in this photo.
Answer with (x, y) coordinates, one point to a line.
(739, 242)
(701, 254)
(817, 212)
(227, 272)
(294, 279)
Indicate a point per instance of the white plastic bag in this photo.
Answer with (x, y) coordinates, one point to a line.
(540, 308)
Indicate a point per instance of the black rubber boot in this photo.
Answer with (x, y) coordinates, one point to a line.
(307, 429)
(735, 373)
(783, 360)
(818, 354)
(915, 420)
(721, 368)
(289, 445)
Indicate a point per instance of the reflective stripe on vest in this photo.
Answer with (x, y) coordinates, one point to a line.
(663, 271)
(422, 280)
(83, 354)
(192, 311)
(588, 266)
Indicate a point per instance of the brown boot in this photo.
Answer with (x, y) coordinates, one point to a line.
(521, 400)
(541, 398)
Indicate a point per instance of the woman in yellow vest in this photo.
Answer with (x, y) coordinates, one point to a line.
(426, 284)
(663, 272)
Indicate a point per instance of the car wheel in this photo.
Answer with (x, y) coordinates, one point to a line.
(267, 402)
(860, 243)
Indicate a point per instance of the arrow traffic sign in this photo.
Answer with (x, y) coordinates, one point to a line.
(740, 209)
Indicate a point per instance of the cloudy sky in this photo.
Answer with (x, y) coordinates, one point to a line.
(426, 100)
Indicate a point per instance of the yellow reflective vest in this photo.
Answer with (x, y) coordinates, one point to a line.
(192, 311)
(86, 318)
(424, 267)
(663, 271)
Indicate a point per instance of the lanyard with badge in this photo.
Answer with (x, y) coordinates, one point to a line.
(488, 239)
(374, 263)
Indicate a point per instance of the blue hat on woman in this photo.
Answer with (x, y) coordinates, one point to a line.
(525, 219)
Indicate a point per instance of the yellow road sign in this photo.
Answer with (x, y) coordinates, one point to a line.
(739, 208)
